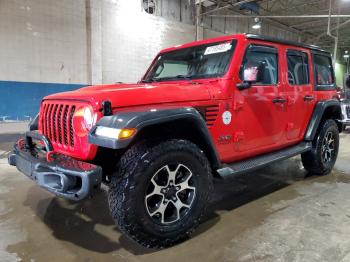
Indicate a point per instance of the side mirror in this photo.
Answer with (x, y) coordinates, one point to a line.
(347, 81)
(252, 74)
(159, 69)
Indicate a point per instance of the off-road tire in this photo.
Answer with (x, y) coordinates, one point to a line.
(312, 160)
(126, 194)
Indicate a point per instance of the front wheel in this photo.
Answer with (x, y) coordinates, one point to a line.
(321, 159)
(160, 192)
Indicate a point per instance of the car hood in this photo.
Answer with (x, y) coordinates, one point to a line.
(123, 95)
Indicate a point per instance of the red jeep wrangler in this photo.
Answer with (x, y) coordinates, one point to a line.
(212, 108)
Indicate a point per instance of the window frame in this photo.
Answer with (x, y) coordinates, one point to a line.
(234, 43)
(318, 87)
(303, 55)
(267, 49)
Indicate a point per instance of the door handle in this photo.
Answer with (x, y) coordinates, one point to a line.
(308, 98)
(279, 100)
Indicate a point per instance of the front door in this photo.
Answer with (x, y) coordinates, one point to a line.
(262, 117)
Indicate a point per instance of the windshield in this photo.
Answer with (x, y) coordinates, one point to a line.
(204, 61)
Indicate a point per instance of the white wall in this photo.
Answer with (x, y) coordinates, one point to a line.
(132, 38)
(86, 41)
(98, 41)
(61, 45)
(43, 41)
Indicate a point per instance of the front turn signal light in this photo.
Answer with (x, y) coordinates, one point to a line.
(115, 133)
(126, 133)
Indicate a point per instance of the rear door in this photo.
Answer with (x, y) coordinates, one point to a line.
(299, 91)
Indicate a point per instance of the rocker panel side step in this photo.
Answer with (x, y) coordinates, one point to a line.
(251, 164)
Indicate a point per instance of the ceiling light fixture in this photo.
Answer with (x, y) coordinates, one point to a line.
(257, 24)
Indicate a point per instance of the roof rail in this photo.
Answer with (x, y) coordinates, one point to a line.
(286, 42)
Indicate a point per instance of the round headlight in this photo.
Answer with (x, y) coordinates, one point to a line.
(83, 120)
(89, 118)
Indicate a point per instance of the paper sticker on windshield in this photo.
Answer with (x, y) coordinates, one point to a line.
(217, 49)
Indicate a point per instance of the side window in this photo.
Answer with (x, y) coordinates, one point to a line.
(298, 68)
(262, 55)
(323, 70)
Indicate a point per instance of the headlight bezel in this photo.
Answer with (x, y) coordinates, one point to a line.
(84, 119)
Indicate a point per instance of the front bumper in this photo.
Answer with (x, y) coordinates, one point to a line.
(59, 174)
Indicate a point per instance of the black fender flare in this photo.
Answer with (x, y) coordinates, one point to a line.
(317, 116)
(148, 117)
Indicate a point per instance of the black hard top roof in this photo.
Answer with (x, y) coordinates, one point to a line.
(286, 42)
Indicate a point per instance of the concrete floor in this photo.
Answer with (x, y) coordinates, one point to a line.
(276, 214)
(13, 127)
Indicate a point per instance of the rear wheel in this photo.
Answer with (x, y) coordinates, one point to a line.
(160, 192)
(321, 159)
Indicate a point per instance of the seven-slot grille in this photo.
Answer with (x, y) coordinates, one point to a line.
(57, 123)
(348, 111)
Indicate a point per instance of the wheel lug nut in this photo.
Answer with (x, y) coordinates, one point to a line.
(174, 199)
(177, 188)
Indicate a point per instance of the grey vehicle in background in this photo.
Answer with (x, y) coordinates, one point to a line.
(345, 103)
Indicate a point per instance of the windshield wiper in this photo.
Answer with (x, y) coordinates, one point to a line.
(148, 80)
(183, 77)
(166, 78)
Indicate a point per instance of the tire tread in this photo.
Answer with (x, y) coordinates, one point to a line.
(124, 182)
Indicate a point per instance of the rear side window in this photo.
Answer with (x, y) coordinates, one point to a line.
(298, 68)
(324, 74)
(266, 55)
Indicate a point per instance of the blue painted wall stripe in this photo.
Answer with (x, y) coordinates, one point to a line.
(21, 100)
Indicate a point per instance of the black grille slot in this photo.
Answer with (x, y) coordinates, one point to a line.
(65, 138)
(50, 135)
(59, 123)
(71, 126)
(54, 123)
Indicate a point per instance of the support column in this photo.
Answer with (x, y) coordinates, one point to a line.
(94, 41)
(199, 26)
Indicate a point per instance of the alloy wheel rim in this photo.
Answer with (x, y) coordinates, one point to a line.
(328, 148)
(170, 194)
